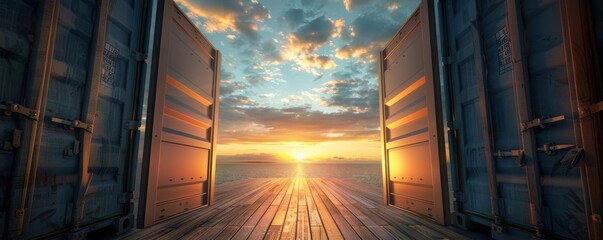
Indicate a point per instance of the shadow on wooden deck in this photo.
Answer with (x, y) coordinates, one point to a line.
(302, 208)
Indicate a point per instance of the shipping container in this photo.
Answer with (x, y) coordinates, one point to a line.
(521, 100)
(73, 76)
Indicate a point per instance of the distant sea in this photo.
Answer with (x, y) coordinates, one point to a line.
(364, 173)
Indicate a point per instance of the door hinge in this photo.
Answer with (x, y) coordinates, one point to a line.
(10, 108)
(518, 153)
(138, 56)
(541, 122)
(134, 125)
(15, 141)
(550, 148)
(591, 109)
(70, 152)
(127, 197)
(452, 126)
(74, 124)
(448, 60)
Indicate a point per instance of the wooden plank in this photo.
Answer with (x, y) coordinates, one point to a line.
(303, 223)
(344, 226)
(315, 220)
(262, 227)
(290, 224)
(327, 220)
(302, 208)
(254, 219)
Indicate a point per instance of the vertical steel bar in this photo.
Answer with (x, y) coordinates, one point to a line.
(214, 119)
(384, 162)
(23, 185)
(582, 80)
(484, 102)
(89, 111)
(524, 113)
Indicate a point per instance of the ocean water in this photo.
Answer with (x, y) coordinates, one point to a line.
(364, 173)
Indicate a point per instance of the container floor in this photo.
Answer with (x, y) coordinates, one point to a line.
(302, 208)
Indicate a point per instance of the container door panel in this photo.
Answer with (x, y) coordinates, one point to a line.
(56, 172)
(111, 154)
(482, 32)
(16, 25)
(410, 117)
(180, 157)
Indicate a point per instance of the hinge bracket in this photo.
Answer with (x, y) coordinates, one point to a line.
(518, 153)
(74, 124)
(591, 109)
(134, 125)
(541, 122)
(448, 60)
(127, 197)
(20, 109)
(138, 56)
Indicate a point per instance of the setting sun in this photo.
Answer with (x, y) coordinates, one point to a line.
(300, 156)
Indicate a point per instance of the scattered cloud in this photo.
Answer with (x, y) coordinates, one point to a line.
(352, 4)
(242, 16)
(322, 62)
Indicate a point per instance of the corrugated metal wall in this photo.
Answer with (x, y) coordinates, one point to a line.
(520, 152)
(82, 85)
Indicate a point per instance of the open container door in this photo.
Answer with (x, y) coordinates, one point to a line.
(410, 107)
(179, 155)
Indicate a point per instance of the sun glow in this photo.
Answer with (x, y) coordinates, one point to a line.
(300, 156)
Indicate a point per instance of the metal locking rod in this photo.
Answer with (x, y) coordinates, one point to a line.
(541, 122)
(550, 148)
(20, 109)
(74, 124)
(518, 153)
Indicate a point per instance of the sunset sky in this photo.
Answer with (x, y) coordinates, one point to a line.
(299, 78)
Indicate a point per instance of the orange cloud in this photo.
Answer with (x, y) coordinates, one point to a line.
(322, 62)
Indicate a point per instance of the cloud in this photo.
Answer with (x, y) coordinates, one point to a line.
(351, 4)
(294, 17)
(322, 62)
(249, 158)
(311, 36)
(291, 99)
(228, 87)
(242, 16)
(270, 53)
(267, 95)
(376, 31)
(350, 95)
(296, 124)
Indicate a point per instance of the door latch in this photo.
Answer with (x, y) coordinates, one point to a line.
(15, 141)
(570, 159)
(551, 148)
(70, 152)
(518, 153)
(9, 108)
(541, 122)
(74, 124)
(586, 111)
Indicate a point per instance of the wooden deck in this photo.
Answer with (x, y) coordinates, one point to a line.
(297, 208)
